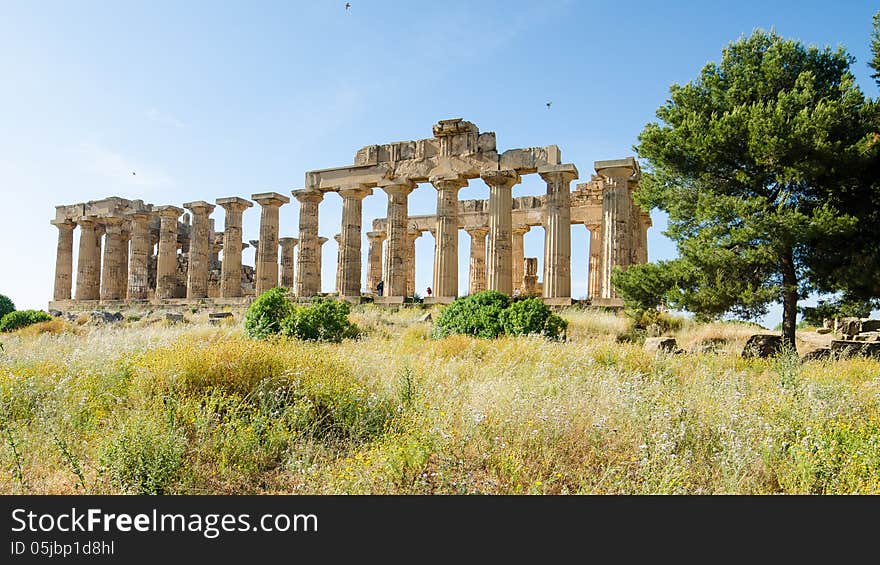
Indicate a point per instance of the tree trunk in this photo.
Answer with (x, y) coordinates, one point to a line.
(789, 300)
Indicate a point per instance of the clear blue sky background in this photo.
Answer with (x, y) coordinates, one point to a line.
(212, 99)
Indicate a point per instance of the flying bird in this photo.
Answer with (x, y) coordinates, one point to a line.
(347, 6)
(132, 172)
(548, 105)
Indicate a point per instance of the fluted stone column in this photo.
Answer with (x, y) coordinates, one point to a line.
(321, 242)
(139, 259)
(113, 267)
(396, 248)
(63, 260)
(308, 262)
(338, 239)
(499, 256)
(374, 259)
(446, 248)
(288, 244)
(642, 235)
(477, 274)
(350, 267)
(230, 268)
(411, 236)
(199, 249)
(557, 226)
(518, 254)
(530, 276)
(616, 219)
(126, 242)
(267, 252)
(166, 271)
(88, 268)
(594, 277)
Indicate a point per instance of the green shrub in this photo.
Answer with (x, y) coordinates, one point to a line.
(22, 318)
(144, 458)
(324, 319)
(264, 315)
(532, 316)
(478, 315)
(6, 305)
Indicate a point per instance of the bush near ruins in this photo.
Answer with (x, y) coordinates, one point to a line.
(324, 319)
(6, 306)
(490, 314)
(478, 315)
(264, 315)
(22, 318)
(532, 316)
(272, 313)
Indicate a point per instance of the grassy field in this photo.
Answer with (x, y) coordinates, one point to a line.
(193, 408)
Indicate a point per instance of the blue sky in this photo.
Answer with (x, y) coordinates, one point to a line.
(213, 99)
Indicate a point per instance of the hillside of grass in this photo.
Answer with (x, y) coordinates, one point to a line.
(141, 407)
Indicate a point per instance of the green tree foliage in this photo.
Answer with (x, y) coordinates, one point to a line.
(489, 314)
(751, 160)
(324, 319)
(477, 315)
(532, 316)
(6, 305)
(22, 318)
(264, 315)
(875, 49)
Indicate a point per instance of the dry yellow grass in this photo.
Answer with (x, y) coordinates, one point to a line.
(194, 408)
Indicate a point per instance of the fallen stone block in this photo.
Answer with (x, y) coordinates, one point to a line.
(762, 345)
(173, 317)
(870, 325)
(867, 336)
(853, 348)
(823, 330)
(849, 326)
(102, 317)
(817, 354)
(661, 345)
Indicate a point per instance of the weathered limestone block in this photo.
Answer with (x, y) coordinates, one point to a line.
(662, 344)
(762, 345)
(853, 348)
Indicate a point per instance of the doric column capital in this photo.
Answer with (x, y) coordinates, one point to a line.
(556, 173)
(357, 191)
(627, 168)
(270, 199)
(171, 212)
(285, 242)
(63, 225)
(504, 178)
(308, 195)
(448, 182)
(477, 231)
(593, 227)
(234, 204)
(338, 238)
(199, 208)
(322, 240)
(254, 242)
(377, 236)
(397, 186)
(114, 224)
(520, 230)
(414, 233)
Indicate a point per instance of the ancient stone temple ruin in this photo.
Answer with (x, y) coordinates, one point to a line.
(131, 252)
